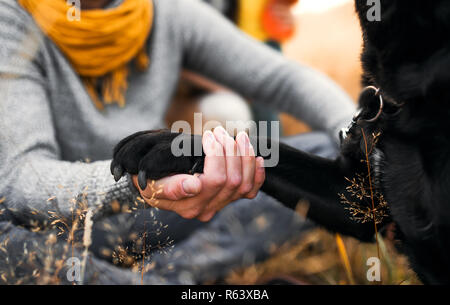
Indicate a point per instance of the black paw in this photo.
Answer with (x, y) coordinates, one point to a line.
(149, 155)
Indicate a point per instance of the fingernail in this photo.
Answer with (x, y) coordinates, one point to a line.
(245, 142)
(260, 163)
(220, 134)
(221, 130)
(191, 186)
(209, 137)
(209, 142)
(240, 136)
(245, 139)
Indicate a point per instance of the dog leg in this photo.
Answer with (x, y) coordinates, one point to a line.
(318, 181)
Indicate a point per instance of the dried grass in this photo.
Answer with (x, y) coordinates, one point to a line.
(316, 259)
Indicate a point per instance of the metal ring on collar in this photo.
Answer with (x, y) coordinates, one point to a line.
(380, 111)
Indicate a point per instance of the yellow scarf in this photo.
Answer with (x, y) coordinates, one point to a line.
(101, 44)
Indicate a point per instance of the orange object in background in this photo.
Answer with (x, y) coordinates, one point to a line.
(277, 20)
(267, 19)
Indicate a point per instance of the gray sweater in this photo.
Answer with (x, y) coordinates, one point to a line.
(49, 127)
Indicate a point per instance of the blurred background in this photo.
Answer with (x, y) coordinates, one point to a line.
(324, 34)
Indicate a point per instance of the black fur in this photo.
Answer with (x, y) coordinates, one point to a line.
(407, 56)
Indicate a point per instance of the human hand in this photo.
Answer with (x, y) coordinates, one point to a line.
(231, 172)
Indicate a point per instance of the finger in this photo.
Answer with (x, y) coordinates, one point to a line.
(247, 170)
(187, 208)
(234, 175)
(232, 159)
(178, 187)
(175, 187)
(260, 176)
(248, 163)
(214, 171)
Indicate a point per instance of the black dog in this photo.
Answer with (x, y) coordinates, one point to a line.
(394, 165)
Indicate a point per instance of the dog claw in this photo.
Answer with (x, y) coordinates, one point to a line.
(117, 172)
(142, 180)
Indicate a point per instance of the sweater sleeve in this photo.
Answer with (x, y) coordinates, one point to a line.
(34, 180)
(216, 49)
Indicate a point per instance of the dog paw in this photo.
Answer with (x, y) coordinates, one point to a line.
(156, 154)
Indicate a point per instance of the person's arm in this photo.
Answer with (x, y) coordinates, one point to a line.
(34, 180)
(215, 48)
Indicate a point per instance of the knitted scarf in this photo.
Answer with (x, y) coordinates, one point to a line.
(99, 45)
